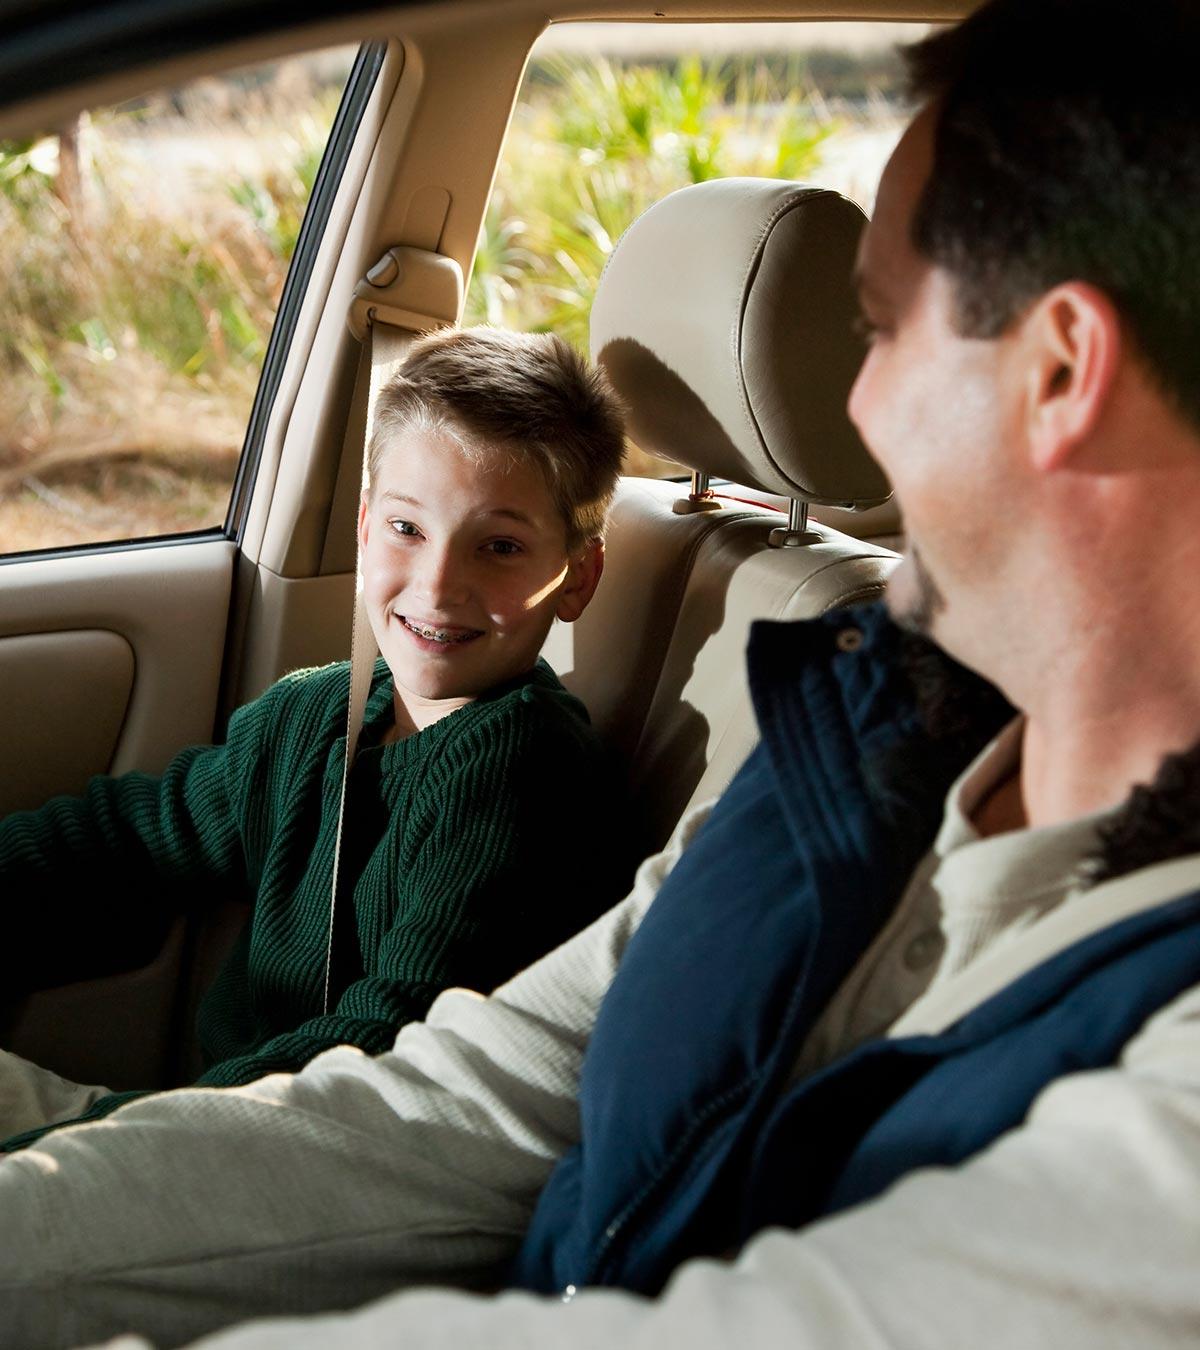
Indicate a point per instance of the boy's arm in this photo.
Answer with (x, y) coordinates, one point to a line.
(522, 849)
(91, 883)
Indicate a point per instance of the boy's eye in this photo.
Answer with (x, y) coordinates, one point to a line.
(405, 527)
(505, 548)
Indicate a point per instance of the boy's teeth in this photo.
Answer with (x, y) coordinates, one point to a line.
(431, 634)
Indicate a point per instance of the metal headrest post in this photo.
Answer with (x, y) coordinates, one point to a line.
(797, 532)
(701, 497)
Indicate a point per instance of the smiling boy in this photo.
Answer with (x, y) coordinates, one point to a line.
(468, 553)
(478, 788)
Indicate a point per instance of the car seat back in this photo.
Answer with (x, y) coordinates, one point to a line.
(724, 321)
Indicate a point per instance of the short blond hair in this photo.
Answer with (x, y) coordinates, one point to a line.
(528, 395)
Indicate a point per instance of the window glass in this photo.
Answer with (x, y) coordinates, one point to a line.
(143, 251)
(612, 117)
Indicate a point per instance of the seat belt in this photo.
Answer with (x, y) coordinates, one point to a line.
(408, 292)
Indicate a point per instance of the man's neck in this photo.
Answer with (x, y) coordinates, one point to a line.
(1108, 685)
(1074, 769)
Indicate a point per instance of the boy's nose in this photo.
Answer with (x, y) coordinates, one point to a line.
(442, 581)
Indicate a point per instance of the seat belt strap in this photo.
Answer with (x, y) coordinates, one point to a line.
(382, 353)
(408, 292)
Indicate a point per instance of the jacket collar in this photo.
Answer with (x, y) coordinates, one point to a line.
(854, 704)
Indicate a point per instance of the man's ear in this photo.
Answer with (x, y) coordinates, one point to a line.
(1075, 335)
(364, 518)
(583, 576)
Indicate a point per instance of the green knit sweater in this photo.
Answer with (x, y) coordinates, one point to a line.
(469, 849)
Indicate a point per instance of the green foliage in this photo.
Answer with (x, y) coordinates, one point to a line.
(593, 144)
(275, 200)
(129, 273)
(24, 175)
(120, 281)
(194, 285)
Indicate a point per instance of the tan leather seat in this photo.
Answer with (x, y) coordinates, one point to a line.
(724, 320)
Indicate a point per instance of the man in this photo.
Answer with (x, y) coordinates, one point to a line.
(907, 1049)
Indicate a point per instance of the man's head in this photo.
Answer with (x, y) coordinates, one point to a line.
(492, 461)
(1068, 149)
(1032, 281)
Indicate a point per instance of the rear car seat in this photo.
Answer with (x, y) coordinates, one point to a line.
(724, 321)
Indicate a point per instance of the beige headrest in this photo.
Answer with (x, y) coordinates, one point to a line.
(725, 321)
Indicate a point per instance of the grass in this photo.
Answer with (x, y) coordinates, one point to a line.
(146, 251)
(593, 144)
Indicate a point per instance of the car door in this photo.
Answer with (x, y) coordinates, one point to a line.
(145, 417)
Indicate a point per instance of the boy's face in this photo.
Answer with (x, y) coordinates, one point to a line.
(465, 566)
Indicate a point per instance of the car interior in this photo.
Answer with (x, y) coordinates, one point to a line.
(724, 321)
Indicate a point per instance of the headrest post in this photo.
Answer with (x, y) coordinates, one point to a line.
(797, 532)
(700, 498)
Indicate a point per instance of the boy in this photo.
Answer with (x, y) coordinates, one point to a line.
(480, 816)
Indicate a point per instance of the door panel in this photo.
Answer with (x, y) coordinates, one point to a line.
(109, 661)
(64, 697)
(168, 605)
(114, 659)
(119, 1031)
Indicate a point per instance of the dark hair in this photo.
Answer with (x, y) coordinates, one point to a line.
(526, 395)
(1157, 821)
(1067, 148)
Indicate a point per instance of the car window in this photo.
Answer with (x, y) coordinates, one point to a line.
(143, 251)
(612, 117)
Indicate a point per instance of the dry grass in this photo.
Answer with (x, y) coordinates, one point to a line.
(142, 256)
(133, 507)
(128, 451)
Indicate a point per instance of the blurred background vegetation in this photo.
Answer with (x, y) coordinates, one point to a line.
(144, 251)
(595, 143)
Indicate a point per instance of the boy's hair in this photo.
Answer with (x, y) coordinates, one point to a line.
(1068, 149)
(527, 394)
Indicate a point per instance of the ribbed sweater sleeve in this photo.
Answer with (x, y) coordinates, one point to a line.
(483, 877)
(92, 882)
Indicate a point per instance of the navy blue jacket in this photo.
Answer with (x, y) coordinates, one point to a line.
(691, 1139)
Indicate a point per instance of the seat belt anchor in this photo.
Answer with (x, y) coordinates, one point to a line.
(409, 288)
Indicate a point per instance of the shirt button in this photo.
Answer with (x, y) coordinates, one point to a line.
(849, 639)
(923, 949)
(569, 1293)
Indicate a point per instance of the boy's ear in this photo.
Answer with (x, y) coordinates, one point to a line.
(364, 518)
(583, 576)
(1076, 341)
